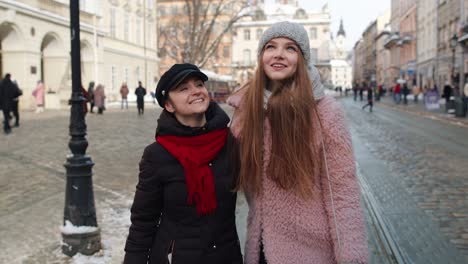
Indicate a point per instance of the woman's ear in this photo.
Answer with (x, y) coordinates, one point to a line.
(168, 106)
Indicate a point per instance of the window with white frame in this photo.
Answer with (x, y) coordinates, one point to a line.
(138, 73)
(246, 34)
(149, 4)
(259, 33)
(126, 25)
(246, 60)
(126, 75)
(313, 33)
(138, 31)
(113, 77)
(313, 55)
(112, 22)
(150, 35)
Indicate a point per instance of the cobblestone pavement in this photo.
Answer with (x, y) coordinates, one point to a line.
(32, 184)
(413, 164)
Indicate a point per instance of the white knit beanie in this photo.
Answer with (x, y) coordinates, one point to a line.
(288, 30)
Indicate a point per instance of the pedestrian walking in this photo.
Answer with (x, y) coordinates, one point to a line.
(416, 92)
(87, 99)
(100, 98)
(296, 160)
(378, 92)
(91, 96)
(140, 93)
(355, 91)
(397, 93)
(124, 94)
(7, 94)
(361, 91)
(370, 100)
(184, 205)
(447, 93)
(405, 93)
(38, 94)
(153, 95)
(15, 104)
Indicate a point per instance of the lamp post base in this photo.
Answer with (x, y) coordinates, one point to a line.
(84, 243)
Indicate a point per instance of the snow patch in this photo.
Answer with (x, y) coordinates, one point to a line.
(69, 229)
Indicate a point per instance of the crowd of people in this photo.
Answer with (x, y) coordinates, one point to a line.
(94, 96)
(401, 94)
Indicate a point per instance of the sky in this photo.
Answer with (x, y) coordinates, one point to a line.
(356, 14)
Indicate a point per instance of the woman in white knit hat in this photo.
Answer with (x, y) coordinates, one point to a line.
(297, 164)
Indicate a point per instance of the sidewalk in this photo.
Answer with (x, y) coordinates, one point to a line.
(419, 109)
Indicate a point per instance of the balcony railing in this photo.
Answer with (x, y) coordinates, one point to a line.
(392, 40)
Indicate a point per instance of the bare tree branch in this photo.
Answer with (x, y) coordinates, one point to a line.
(199, 31)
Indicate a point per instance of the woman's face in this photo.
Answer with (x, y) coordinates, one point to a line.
(189, 102)
(280, 58)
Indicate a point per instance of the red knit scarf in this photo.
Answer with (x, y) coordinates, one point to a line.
(194, 153)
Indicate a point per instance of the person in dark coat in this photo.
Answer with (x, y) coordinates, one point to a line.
(405, 93)
(14, 106)
(8, 92)
(361, 91)
(91, 96)
(370, 99)
(184, 205)
(140, 93)
(447, 93)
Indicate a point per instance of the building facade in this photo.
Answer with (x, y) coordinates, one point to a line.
(408, 42)
(448, 57)
(370, 54)
(248, 31)
(426, 42)
(118, 43)
(463, 40)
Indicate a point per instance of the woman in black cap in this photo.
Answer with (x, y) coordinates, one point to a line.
(184, 205)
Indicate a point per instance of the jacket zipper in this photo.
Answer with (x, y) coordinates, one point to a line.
(170, 252)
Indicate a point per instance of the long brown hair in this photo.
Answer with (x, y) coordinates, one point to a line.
(294, 160)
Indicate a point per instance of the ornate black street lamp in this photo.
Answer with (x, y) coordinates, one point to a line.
(80, 233)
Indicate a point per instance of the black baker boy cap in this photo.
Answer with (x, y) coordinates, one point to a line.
(173, 77)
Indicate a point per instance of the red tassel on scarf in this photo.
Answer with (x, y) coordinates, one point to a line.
(194, 153)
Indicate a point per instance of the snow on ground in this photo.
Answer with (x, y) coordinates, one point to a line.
(113, 220)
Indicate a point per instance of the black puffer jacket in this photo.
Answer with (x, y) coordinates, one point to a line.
(162, 221)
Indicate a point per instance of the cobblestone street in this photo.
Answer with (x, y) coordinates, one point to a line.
(414, 166)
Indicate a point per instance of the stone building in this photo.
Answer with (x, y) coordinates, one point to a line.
(426, 42)
(358, 62)
(408, 42)
(448, 56)
(118, 43)
(370, 54)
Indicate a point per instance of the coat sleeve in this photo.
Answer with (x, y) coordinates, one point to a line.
(345, 215)
(145, 211)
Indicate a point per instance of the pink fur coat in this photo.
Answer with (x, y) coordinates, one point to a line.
(298, 231)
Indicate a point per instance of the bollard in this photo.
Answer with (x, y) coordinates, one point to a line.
(460, 110)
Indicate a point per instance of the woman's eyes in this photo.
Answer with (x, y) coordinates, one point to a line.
(290, 48)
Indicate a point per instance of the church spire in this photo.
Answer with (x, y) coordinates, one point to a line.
(341, 30)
